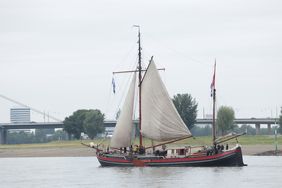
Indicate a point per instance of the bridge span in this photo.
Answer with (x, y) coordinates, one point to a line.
(4, 127)
(248, 121)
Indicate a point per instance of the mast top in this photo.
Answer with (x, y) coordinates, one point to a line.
(138, 26)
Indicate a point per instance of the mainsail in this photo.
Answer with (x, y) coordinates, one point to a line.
(123, 129)
(160, 119)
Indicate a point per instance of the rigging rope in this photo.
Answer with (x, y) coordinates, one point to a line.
(33, 109)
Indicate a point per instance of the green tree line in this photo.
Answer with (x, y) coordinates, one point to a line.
(39, 136)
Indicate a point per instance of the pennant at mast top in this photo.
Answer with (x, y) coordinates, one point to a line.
(213, 79)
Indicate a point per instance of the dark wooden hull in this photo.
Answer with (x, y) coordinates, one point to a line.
(227, 158)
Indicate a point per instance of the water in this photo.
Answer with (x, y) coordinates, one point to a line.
(86, 172)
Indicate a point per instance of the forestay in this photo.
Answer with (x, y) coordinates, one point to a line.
(160, 119)
(123, 129)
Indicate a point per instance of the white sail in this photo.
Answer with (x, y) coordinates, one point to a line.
(123, 129)
(160, 119)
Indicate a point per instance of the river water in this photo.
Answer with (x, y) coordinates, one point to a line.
(86, 172)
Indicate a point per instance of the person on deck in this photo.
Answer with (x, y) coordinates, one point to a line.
(135, 149)
(215, 150)
(141, 150)
(130, 149)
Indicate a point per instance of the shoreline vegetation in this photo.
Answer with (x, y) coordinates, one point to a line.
(251, 145)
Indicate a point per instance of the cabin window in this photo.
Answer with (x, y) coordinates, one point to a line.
(181, 152)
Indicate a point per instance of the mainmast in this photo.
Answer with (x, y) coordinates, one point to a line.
(139, 83)
(213, 105)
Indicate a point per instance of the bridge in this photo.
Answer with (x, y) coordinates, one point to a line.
(4, 127)
(248, 121)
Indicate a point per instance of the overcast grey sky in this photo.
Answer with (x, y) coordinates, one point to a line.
(58, 56)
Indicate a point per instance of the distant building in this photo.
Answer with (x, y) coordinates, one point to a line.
(20, 115)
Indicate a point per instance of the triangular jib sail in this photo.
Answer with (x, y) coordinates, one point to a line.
(123, 129)
(160, 119)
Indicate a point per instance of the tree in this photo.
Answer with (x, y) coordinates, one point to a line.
(59, 135)
(93, 123)
(40, 136)
(187, 108)
(201, 131)
(248, 129)
(20, 137)
(225, 119)
(89, 121)
(73, 124)
(280, 122)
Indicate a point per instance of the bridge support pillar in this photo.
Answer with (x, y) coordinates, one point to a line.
(3, 136)
(269, 128)
(257, 129)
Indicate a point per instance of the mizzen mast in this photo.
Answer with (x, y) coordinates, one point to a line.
(213, 94)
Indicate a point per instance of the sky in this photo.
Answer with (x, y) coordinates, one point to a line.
(58, 56)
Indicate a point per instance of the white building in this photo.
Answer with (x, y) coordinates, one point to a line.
(20, 115)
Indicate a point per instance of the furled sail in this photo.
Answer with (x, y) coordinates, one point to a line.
(123, 129)
(160, 119)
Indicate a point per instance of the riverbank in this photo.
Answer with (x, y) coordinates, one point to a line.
(47, 152)
(81, 151)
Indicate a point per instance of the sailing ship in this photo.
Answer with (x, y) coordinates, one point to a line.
(160, 122)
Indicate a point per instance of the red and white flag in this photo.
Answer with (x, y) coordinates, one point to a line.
(213, 80)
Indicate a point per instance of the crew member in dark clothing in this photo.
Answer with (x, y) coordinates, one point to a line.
(209, 152)
(222, 147)
(141, 150)
(215, 149)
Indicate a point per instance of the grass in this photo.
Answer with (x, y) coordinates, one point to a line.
(202, 140)
(259, 140)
